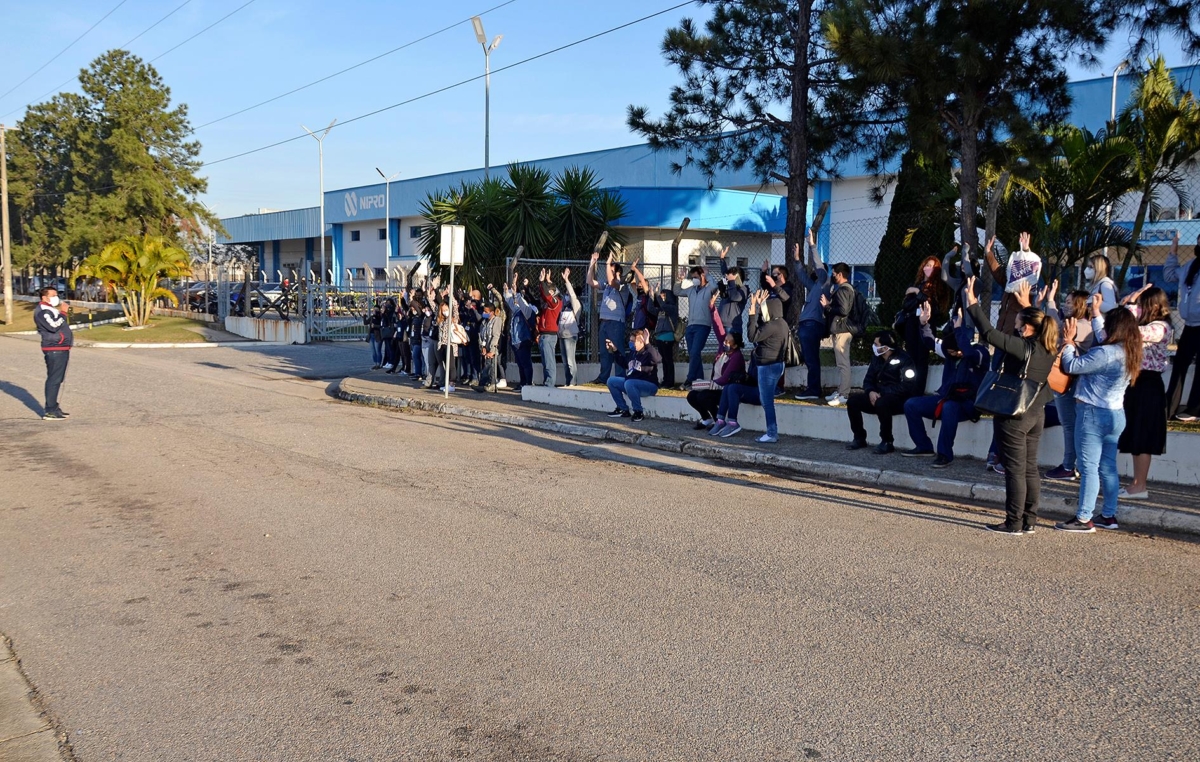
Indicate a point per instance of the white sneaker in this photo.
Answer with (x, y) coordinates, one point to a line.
(444, 389)
(832, 397)
(838, 401)
(502, 384)
(1125, 494)
(1185, 418)
(389, 366)
(767, 439)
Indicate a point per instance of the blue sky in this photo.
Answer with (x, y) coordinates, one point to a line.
(570, 102)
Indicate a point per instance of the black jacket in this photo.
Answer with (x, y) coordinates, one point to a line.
(893, 377)
(53, 327)
(769, 337)
(1016, 350)
(641, 366)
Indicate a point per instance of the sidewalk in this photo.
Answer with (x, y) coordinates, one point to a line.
(26, 735)
(1171, 508)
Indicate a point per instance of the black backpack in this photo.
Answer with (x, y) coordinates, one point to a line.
(856, 322)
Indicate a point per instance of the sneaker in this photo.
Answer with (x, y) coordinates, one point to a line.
(701, 425)
(638, 416)
(618, 413)
(730, 429)
(996, 466)
(884, 448)
(717, 428)
(1075, 525)
(838, 401)
(1029, 529)
(991, 461)
(767, 439)
(54, 416)
(388, 367)
(502, 384)
(916, 452)
(1002, 528)
(1105, 522)
(64, 413)
(808, 397)
(444, 389)
(831, 397)
(779, 394)
(1062, 473)
(941, 461)
(376, 366)
(857, 444)
(1125, 494)
(1186, 418)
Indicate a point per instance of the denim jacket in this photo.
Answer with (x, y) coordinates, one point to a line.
(1102, 377)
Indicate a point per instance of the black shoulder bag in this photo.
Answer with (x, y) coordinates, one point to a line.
(1002, 394)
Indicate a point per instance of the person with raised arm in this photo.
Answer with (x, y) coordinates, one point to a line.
(815, 279)
(568, 329)
(613, 308)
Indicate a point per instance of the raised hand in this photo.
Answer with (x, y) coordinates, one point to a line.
(969, 289)
(796, 252)
(991, 244)
(1024, 239)
(542, 276)
(566, 274)
(1070, 327)
(766, 266)
(724, 251)
(1021, 293)
(812, 241)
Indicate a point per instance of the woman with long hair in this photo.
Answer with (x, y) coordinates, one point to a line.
(1074, 305)
(1029, 350)
(926, 302)
(1146, 398)
(1104, 373)
(729, 366)
(448, 332)
(1100, 286)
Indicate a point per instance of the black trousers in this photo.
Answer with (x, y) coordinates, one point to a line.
(1185, 354)
(887, 406)
(56, 371)
(1017, 440)
(705, 402)
(667, 350)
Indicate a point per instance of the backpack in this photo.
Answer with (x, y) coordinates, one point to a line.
(856, 322)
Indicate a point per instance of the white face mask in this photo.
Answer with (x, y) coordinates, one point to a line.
(1089, 272)
(878, 350)
(55, 301)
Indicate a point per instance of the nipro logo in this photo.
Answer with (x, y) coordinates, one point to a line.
(353, 204)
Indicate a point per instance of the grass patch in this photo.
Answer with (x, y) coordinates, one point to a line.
(23, 316)
(167, 330)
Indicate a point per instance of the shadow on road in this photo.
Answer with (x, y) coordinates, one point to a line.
(20, 395)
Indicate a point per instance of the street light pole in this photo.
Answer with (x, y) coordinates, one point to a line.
(481, 36)
(5, 241)
(1112, 126)
(387, 215)
(321, 173)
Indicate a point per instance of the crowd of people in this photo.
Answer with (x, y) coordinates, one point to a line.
(1087, 362)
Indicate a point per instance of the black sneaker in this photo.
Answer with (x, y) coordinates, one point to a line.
(941, 461)
(64, 413)
(1002, 528)
(884, 448)
(1075, 525)
(857, 444)
(1061, 474)
(918, 453)
(638, 416)
(1029, 529)
(53, 416)
(1104, 522)
(618, 413)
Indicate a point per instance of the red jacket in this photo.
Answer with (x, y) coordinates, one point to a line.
(547, 317)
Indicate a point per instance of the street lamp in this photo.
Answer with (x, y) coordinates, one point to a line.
(321, 171)
(1112, 127)
(481, 36)
(387, 215)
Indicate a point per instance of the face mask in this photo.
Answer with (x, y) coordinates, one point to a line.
(55, 301)
(878, 350)
(928, 271)
(1089, 272)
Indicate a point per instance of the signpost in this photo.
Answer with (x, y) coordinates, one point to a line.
(454, 238)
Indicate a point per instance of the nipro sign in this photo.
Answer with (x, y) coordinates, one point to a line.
(361, 203)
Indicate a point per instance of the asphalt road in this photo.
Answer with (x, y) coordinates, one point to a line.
(215, 560)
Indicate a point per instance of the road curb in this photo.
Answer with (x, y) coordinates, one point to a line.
(187, 345)
(26, 733)
(1133, 517)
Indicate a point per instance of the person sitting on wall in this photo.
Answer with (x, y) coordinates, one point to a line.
(891, 380)
(641, 375)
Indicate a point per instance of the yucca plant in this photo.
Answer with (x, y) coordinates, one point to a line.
(131, 269)
(528, 207)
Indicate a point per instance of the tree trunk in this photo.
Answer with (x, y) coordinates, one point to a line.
(968, 194)
(797, 184)
(1135, 236)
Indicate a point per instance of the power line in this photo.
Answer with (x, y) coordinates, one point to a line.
(456, 84)
(64, 50)
(351, 68)
(202, 31)
(65, 82)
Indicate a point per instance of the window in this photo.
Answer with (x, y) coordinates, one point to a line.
(380, 273)
(355, 235)
(383, 234)
(414, 231)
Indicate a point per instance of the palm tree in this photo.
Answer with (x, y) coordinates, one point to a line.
(528, 206)
(1161, 130)
(131, 268)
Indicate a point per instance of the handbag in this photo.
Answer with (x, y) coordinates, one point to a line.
(1059, 380)
(458, 334)
(1004, 394)
(792, 356)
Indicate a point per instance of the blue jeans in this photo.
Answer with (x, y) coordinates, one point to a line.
(567, 345)
(1065, 404)
(768, 379)
(548, 346)
(1097, 430)
(376, 350)
(418, 360)
(614, 331)
(429, 349)
(524, 356)
(810, 346)
(732, 398)
(634, 388)
(695, 338)
(916, 409)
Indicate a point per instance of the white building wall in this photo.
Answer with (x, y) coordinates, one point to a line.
(291, 256)
(856, 222)
(369, 251)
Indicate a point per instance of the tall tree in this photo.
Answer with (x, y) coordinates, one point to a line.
(756, 80)
(110, 162)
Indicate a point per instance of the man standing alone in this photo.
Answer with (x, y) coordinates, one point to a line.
(50, 317)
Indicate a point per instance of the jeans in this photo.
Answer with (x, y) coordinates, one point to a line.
(1097, 430)
(841, 357)
(768, 379)
(810, 346)
(376, 350)
(487, 371)
(614, 331)
(695, 338)
(1017, 440)
(524, 355)
(917, 409)
(667, 350)
(1065, 405)
(548, 346)
(1187, 352)
(885, 407)
(56, 372)
(634, 388)
(732, 398)
(418, 360)
(429, 349)
(570, 371)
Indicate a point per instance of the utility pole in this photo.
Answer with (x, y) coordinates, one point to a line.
(4, 238)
